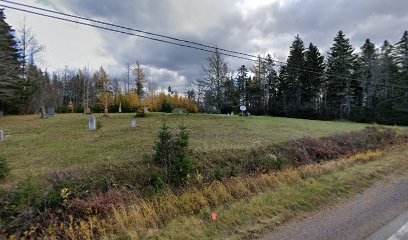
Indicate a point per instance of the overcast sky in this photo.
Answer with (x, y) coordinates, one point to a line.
(250, 26)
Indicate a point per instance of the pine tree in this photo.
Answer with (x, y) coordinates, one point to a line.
(139, 80)
(313, 77)
(401, 57)
(342, 92)
(295, 72)
(369, 73)
(11, 82)
(257, 86)
(182, 163)
(271, 87)
(242, 85)
(163, 150)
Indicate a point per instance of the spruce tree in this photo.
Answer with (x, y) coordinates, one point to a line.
(295, 72)
(342, 92)
(11, 82)
(313, 81)
(369, 73)
(242, 85)
(401, 57)
(164, 150)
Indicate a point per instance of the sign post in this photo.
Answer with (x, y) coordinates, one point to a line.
(242, 108)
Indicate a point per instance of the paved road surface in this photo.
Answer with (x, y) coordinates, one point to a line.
(381, 212)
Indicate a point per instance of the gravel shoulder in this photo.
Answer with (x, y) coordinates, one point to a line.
(356, 218)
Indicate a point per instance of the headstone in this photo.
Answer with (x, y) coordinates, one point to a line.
(51, 112)
(232, 113)
(1, 114)
(146, 110)
(92, 123)
(1, 136)
(228, 114)
(248, 114)
(120, 107)
(87, 111)
(43, 114)
(134, 123)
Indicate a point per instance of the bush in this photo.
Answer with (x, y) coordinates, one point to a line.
(4, 168)
(140, 113)
(219, 174)
(167, 107)
(171, 152)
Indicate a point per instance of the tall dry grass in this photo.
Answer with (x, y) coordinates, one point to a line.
(142, 219)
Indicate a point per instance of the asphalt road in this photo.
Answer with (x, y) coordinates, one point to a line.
(381, 212)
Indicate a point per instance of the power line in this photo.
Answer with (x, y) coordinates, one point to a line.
(123, 32)
(258, 58)
(130, 29)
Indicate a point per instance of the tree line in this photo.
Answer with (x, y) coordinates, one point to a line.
(24, 87)
(370, 85)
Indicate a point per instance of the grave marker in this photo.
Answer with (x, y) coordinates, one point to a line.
(134, 123)
(1, 136)
(120, 107)
(51, 112)
(92, 123)
(43, 114)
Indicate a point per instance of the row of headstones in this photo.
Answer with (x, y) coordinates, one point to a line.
(232, 114)
(93, 127)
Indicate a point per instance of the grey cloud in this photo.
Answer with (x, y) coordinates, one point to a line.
(222, 23)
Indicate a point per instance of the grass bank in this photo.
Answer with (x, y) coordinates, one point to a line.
(37, 147)
(245, 206)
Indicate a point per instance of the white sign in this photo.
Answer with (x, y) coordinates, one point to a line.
(242, 108)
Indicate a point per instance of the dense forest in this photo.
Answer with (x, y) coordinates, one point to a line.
(370, 85)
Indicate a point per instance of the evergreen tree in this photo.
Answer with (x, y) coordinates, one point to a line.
(313, 77)
(12, 86)
(242, 85)
(163, 150)
(257, 86)
(295, 72)
(231, 96)
(369, 73)
(271, 87)
(342, 92)
(139, 80)
(401, 57)
(182, 164)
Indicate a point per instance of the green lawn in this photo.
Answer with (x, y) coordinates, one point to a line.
(35, 146)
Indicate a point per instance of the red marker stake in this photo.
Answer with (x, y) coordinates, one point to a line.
(214, 216)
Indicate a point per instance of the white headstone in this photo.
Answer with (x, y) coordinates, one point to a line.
(133, 123)
(228, 114)
(232, 113)
(92, 123)
(1, 136)
(120, 107)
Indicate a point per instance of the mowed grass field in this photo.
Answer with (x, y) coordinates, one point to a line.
(36, 147)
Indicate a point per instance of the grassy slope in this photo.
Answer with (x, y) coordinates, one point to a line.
(36, 147)
(249, 218)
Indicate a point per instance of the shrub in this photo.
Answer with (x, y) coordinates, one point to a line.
(172, 154)
(140, 113)
(157, 182)
(167, 107)
(219, 173)
(99, 125)
(4, 168)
